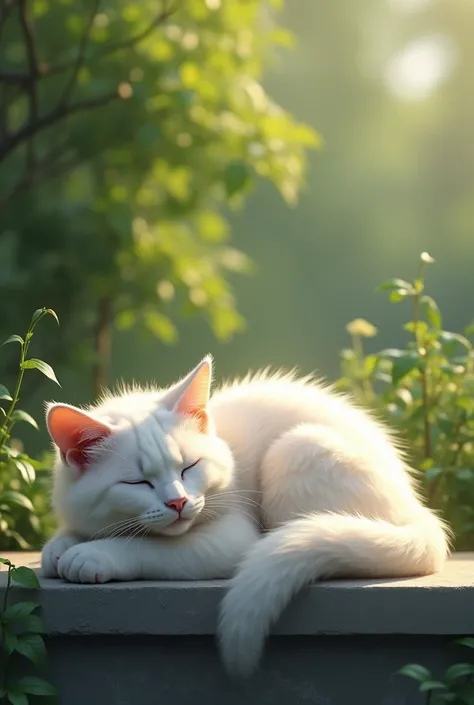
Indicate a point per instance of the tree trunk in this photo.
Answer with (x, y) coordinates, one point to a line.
(100, 372)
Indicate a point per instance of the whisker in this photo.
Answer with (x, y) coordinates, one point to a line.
(137, 530)
(125, 531)
(114, 525)
(239, 509)
(236, 495)
(233, 503)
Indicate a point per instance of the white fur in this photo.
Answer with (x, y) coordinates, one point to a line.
(322, 478)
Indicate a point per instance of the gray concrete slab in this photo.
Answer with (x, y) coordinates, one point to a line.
(435, 604)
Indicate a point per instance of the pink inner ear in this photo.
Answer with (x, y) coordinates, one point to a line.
(74, 432)
(196, 397)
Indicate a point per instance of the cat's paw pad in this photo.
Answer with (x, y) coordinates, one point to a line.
(86, 563)
(52, 552)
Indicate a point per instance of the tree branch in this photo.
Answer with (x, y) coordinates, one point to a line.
(140, 36)
(45, 70)
(30, 46)
(56, 115)
(81, 54)
(50, 165)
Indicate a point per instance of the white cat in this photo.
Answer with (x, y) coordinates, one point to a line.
(173, 484)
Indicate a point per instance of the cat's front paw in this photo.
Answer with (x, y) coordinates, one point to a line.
(86, 563)
(52, 552)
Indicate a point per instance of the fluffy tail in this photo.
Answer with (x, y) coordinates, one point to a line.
(312, 548)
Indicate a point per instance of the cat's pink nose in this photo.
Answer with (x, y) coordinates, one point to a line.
(177, 504)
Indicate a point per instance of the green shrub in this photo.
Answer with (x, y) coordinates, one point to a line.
(426, 391)
(456, 686)
(25, 519)
(21, 641)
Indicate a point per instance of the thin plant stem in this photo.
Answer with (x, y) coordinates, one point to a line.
(421, 349)
(358, 347)
(6, 425)
(7, 589)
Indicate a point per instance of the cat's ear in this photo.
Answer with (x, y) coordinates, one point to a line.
(190, 397)
(74, 432)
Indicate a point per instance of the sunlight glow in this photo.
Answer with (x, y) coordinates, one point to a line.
(416, 71)
(408, 5)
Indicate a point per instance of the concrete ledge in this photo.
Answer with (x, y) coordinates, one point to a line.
(442, 604)
(339, 642)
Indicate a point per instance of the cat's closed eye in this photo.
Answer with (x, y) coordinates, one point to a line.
(188, 467)
(136, 482)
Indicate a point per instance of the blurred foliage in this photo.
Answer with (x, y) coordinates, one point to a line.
(135, 230)
(25, 516)
(455, 686)
(426, 391)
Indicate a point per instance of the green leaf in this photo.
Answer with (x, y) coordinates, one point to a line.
(17, 698)
(236, 177)
(161, 326)
(25, 577)
(9, 641)
(431, 474)
(459, 670)
(399, 295)
(52, 313)
(445, 425)
(13, 339)
(404, 364)
(32, 647)
(22, 544)
(36, 686)
(432, 685)
(465, 693)
(391, 353)
(465, 474)
(369, 365)
(42, 366)
(33, 624)
(5, 561)
(392, 284)
(466, 403)
(419, 286)
(466, 641)
(12, 497)
(431, 311)
(421, 328)
(4, 393)
(25, 469)
(415, 671)
(39, 313)
(19, 611)
(19, 415)
(451, 340)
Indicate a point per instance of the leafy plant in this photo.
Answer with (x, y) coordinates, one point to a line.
(456, 685)
(155, 116)
(23, 480)
(426, 390)
(21, 629)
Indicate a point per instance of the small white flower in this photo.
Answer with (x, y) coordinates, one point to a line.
(426, 258)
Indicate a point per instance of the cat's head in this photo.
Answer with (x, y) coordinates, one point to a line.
(142, 462)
